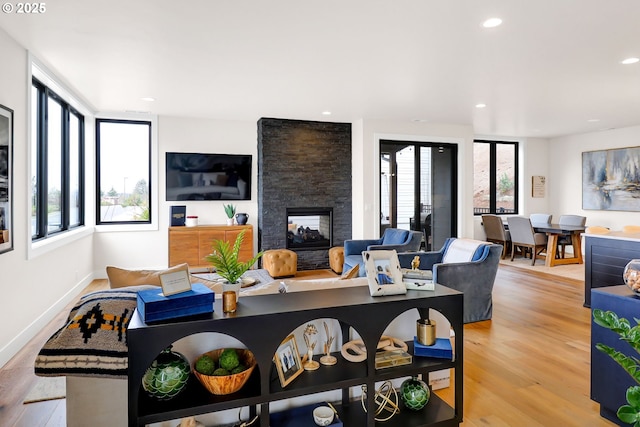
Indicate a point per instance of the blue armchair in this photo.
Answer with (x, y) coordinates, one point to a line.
(393, 238)
(469, 266)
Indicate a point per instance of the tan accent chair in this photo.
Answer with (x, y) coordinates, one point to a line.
(631, 229)
(494, 229)
(539, 218)
(280, 262)
(336, 259)
(523, 236)
(565, 240)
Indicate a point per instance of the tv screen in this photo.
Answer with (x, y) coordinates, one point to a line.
(198, 176)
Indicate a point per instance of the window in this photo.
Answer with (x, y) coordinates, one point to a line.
(123, 171)
(56, 164)
(495, 177)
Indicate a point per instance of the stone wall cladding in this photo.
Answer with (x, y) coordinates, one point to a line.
(303, 164)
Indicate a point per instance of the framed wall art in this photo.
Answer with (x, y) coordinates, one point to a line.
(611, 179)
(6, 176)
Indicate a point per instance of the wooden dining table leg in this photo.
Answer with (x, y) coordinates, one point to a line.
(576, 242)
(552, 248)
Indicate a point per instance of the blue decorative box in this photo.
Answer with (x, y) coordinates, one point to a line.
(153, 306)
(441, 349)
(301, 416)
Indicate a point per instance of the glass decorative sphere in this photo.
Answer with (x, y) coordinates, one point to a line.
(631, 275)
(414, 393)
(167, 376)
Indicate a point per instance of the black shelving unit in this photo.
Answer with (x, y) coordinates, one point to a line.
(262, 322)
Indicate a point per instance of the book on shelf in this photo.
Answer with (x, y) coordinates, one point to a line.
(441, 349)
(409, 273)
(419, 284)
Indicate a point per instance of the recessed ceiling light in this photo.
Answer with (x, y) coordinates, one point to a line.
(492, 22)
(326, 113)
(148, 99)
(481, 105)
(419, 120)
(630, 61)
(593, 120)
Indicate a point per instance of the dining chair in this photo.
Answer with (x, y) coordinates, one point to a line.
(565, 239)
(524, 237)
(539, 218)
(495, 232)
(631, 229)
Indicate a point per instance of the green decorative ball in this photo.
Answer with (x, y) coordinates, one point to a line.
(414, 393)
(229, 359)
(205, 365)
(167, 376)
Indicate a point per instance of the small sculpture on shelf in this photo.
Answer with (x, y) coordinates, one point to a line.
(415, 262)
(310, 364)
(328, 359)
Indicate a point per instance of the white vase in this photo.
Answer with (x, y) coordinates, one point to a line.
(229, 221)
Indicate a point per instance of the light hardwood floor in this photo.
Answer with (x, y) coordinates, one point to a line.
(527, 367)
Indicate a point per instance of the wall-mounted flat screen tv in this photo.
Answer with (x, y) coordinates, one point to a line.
(198, 176)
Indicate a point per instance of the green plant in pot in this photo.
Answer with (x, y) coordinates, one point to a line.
(630, 413)
(224, 259)
(230, 210)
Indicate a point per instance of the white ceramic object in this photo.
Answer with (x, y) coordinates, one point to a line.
(323, 415)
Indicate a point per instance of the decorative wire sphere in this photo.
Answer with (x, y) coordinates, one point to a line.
(386, 399)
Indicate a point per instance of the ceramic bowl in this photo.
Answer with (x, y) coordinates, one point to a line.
(323, 415)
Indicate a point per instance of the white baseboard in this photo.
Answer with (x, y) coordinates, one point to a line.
(15, 345)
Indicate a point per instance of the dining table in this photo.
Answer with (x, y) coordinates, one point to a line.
(553, 232)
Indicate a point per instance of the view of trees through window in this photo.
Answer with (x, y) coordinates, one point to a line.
(123, 179)
(57, 174)
(495, 184)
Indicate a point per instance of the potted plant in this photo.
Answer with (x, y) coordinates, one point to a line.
(630, 413)
(230, 210)
(225, 259)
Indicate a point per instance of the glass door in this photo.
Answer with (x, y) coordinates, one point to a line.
(417, 189)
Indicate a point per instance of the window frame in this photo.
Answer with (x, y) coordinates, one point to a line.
(43, 94)
(152, 172)
(493, 177)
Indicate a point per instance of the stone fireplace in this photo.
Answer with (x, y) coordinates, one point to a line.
(304, 177)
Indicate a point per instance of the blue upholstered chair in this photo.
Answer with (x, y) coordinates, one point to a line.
(393, 238)
(469, 266)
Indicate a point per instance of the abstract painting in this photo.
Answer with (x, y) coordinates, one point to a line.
(611, 179)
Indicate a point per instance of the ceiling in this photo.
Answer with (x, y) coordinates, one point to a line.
(552, 68)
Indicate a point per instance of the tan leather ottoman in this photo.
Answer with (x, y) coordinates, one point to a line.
(336, 259)
(280, 262)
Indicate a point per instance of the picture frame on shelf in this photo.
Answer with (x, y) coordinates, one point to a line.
(6, 179)
(383, 273)
(287, 360)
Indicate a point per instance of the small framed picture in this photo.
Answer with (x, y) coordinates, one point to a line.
(175, 283)
(383, 273)
(288, 361)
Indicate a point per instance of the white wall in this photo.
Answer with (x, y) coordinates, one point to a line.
(565, 165)
(33, 290)
(149, 249)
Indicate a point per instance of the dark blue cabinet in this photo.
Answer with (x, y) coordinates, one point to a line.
(609, 382)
